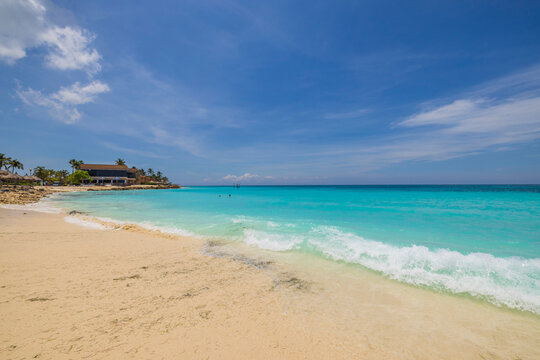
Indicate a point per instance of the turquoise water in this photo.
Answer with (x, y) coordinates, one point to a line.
(480, 240)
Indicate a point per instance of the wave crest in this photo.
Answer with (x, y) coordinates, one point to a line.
(513, 282)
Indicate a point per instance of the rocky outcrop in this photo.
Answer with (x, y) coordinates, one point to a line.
(26, 194)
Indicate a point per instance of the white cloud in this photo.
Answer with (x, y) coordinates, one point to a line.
(24, 25)
(21, 22)
(62, 104)
(499, 115)
(488, 122)
(444, 114)
(246, 177)
(461, 128)
(77, 94)
(69, 49)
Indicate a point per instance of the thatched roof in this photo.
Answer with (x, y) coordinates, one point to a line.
(4, 172)
(31, 178)
(10, 176)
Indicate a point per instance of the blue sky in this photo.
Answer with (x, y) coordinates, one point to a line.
(276, 92)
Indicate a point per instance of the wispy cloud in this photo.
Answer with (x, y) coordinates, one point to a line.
(492, 117)
(497, 116)
(154, 110)
(126, 150)
(502, 112)
(247, 177)
(477, 121)
(346, 115)
(519, 82)
(510, 121)
(63, 104)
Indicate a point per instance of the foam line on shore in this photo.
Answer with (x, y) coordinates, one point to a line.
(76, 220)
(104, 223)
(39, 206)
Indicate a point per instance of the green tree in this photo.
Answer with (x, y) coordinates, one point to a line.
(44, 174)
(75, 164)
(15, 164)
(40, 172)
(4, 160)
(7, 163)
(159, 176)
(120, 161)
(150, 172)
(78, 177)
(61, 175)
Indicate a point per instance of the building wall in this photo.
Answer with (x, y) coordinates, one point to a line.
(110, 173)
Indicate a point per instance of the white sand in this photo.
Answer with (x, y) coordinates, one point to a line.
(73, 292)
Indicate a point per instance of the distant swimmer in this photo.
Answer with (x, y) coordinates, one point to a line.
(229, 195)
(219, 195)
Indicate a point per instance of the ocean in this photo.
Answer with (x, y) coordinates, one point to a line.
(477, 240)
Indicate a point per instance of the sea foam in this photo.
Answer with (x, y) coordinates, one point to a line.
(271, 241)
(85, 223)
(513, 282)
(106, 223)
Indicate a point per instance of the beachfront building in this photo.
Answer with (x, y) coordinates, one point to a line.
(104, 174)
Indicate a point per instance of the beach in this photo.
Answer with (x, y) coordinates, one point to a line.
(270, 180)
(72, 291)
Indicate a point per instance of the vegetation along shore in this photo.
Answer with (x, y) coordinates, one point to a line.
(41, 181)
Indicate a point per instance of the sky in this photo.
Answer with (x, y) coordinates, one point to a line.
(276, 92)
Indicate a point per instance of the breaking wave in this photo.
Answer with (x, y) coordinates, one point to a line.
(513, 282)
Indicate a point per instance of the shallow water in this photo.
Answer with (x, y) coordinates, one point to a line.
(479, 240)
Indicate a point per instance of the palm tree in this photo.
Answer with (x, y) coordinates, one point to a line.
(40, 172)
(158, 176)
(141, 172)
(75, 164)
(120, 161)
(15, 164)
(150, 171)
(4, 161)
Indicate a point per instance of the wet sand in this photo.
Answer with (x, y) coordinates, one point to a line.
(68, 292)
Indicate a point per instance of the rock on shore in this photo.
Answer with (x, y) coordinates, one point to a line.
(26, 194)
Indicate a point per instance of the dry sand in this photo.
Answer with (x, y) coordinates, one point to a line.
(70, 292)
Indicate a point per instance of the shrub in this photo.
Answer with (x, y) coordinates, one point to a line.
(78, 177)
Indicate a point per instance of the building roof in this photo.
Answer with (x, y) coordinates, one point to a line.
(106, 167)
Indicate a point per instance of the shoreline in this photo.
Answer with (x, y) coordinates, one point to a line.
(28, 194)
(505, 298)
(370, 316)
(212, 247)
